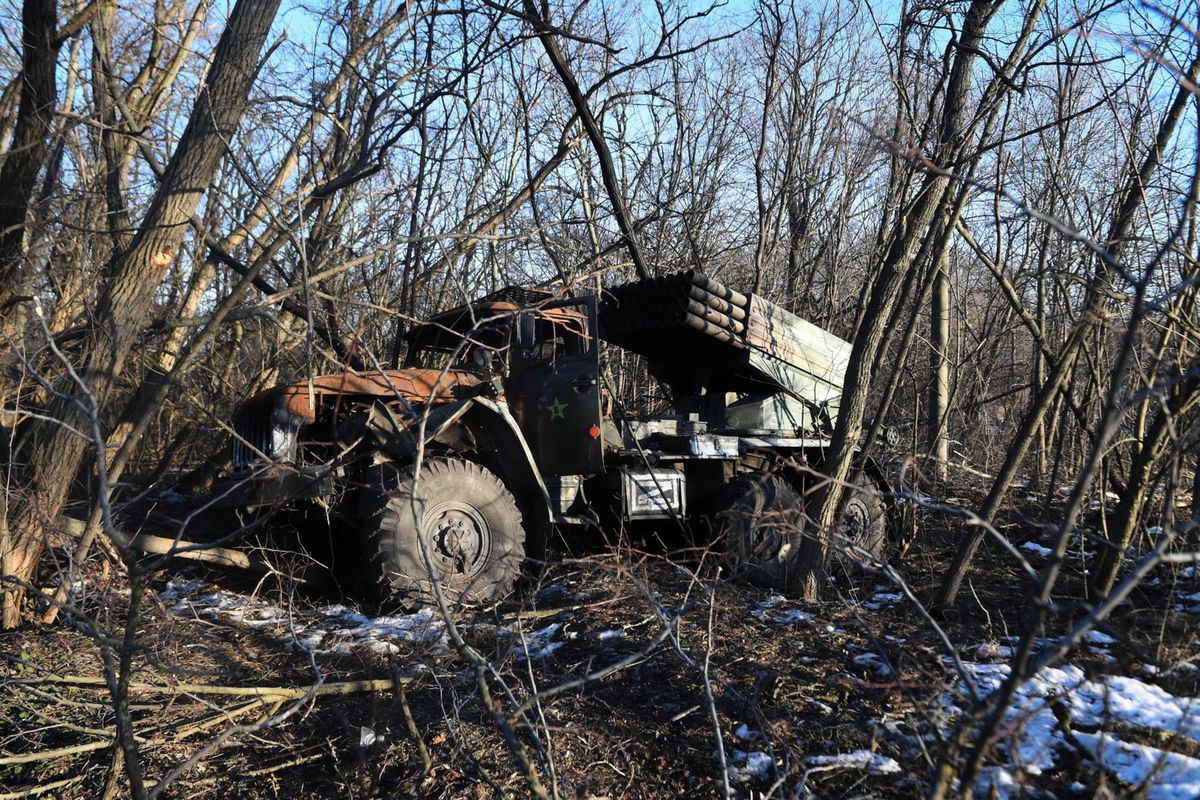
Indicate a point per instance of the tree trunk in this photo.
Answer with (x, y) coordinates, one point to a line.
(939, 394)
(1132, 500)
(57, 446)
(27, 155)
(872, 336)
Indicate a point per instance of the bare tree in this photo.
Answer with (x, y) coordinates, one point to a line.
(55, 447)
(1108, 267)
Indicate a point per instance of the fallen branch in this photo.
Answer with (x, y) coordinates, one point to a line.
(47, 755)
(266, 692)
(34, 791)
(291, 762)
(224, 715)
(162, 545)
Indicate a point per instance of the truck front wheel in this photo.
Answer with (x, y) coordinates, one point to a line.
(455, 521)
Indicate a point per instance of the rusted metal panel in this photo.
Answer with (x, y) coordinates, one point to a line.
(416, 386)
(466, 316)
(268, 423)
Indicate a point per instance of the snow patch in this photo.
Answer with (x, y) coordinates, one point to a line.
(1037, 549)
(1038, 738)
(875, 663)
(554, 591)
(754, 766)
(881, 599)
(336, 629)
(180, 597)
(873, 763)
(539, 644)
(998, 782)
(1168, 776)
(342, 630)
(1091, 702)
(331, 629)
(744, 733)
(768, 611)
(992, 650)
(1099, 638)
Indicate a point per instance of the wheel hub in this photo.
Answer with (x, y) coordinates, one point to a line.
(761, 524)
(854, 522)
(459, 537)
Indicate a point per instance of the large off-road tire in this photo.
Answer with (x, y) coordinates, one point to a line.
(456, 514)
(760, 520)
(861, 534)
(863, 523)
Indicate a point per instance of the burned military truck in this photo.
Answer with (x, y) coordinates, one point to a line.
(499, 426)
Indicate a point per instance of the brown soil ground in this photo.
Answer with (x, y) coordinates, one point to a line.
(801, 689)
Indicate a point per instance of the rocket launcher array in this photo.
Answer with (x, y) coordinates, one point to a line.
(690, 299)
(696, 331)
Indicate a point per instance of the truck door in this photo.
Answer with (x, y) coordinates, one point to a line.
(553, 386)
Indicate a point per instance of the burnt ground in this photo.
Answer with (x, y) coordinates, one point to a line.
(860, 675)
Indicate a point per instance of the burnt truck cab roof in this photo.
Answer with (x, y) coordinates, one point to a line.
(472, 333)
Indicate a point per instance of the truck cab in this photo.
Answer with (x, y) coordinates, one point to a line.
(542, 355)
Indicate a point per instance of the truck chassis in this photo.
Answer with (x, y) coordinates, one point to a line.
(499, 426)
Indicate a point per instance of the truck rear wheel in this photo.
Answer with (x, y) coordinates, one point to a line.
(456, 514)
(760, 520)
(863, 523)
(860, 528)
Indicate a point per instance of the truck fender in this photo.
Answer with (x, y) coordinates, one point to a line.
(875, 469)
(815, 458)
(465, 425)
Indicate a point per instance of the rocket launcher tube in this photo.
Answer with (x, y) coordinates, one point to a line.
(715, 317)
(707, 328)
(716, 303)
(720, 290)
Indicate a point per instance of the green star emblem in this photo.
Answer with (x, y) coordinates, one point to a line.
(557, 409)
